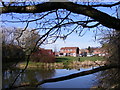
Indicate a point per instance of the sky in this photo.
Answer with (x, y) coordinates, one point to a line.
(73, 40)
(88, 39)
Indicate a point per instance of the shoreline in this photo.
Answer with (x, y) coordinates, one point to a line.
(70, 65)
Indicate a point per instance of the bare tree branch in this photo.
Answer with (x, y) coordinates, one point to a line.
(79, 9)
(36, 45)
(28, 20)
(86, 26)
(105, 5)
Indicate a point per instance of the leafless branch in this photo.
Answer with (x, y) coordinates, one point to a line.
(105, 5)
(36, 45)
(79, 9)
(28, 20)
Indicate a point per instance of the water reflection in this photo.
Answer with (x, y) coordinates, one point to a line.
(30, 76)
(35, 75)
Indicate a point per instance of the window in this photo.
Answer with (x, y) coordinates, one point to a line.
(62, 50)
(71, 53)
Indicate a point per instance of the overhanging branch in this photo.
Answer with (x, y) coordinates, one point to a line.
(105, 5)
(102, 18)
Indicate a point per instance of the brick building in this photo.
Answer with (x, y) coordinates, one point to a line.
(100, 52)
(83, 52)
(69, 51)
(49, 51)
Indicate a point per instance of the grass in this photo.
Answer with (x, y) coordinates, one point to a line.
(69, 59)
(32, 63)
(63, 61)
(66, 60)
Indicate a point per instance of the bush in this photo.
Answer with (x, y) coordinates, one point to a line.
(12, 53)
(42, 55)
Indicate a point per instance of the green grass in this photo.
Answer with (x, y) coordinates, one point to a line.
(68, 59)
(32, 63)
(95, 58)
(65, 59)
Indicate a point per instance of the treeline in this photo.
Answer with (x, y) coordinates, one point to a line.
(16, 49)
(12, 53)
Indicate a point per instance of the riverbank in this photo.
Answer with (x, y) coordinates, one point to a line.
(70, 65)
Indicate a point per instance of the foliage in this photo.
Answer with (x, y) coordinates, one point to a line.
(111, 43)
(89, 49)
(12, 53)
(42, 56)
(17, 36)
(27, 40)
(111, 78)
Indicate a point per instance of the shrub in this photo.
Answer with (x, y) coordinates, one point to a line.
(12, 53)
(43, 55)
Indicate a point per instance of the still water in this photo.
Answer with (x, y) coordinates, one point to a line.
(35, 75)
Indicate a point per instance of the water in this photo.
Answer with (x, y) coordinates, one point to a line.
(35, 75)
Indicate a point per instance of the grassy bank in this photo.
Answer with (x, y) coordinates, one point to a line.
(66, 62)
(68, 59)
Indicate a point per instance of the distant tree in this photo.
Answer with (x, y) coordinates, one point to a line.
(26, 39)
(12, 53)
(42, 55)
(89, 49)
(8, 35)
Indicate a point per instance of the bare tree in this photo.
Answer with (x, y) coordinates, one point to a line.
(59, 19)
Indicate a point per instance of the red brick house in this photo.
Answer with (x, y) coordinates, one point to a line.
(49, 51)
(100, 52)
(83, 52)
(69, 51)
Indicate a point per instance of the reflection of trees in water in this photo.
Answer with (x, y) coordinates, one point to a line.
(8, 76)
(38, 75)
(30, 76)
(109, 79)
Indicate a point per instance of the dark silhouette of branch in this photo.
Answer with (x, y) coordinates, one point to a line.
(36, 45)
(28, 20)
(75, 8)
(86, 26)
(105, 5)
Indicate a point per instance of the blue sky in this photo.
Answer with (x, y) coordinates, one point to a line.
(72, 40)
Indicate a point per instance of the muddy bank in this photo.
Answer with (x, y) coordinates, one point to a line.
(70, 65)
(87, 64)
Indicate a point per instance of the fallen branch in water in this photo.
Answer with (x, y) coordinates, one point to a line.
(71, 76)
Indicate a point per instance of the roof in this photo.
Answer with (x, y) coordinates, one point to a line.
(69, 47)
(83, 50)
(48, 49)
(45, 49)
